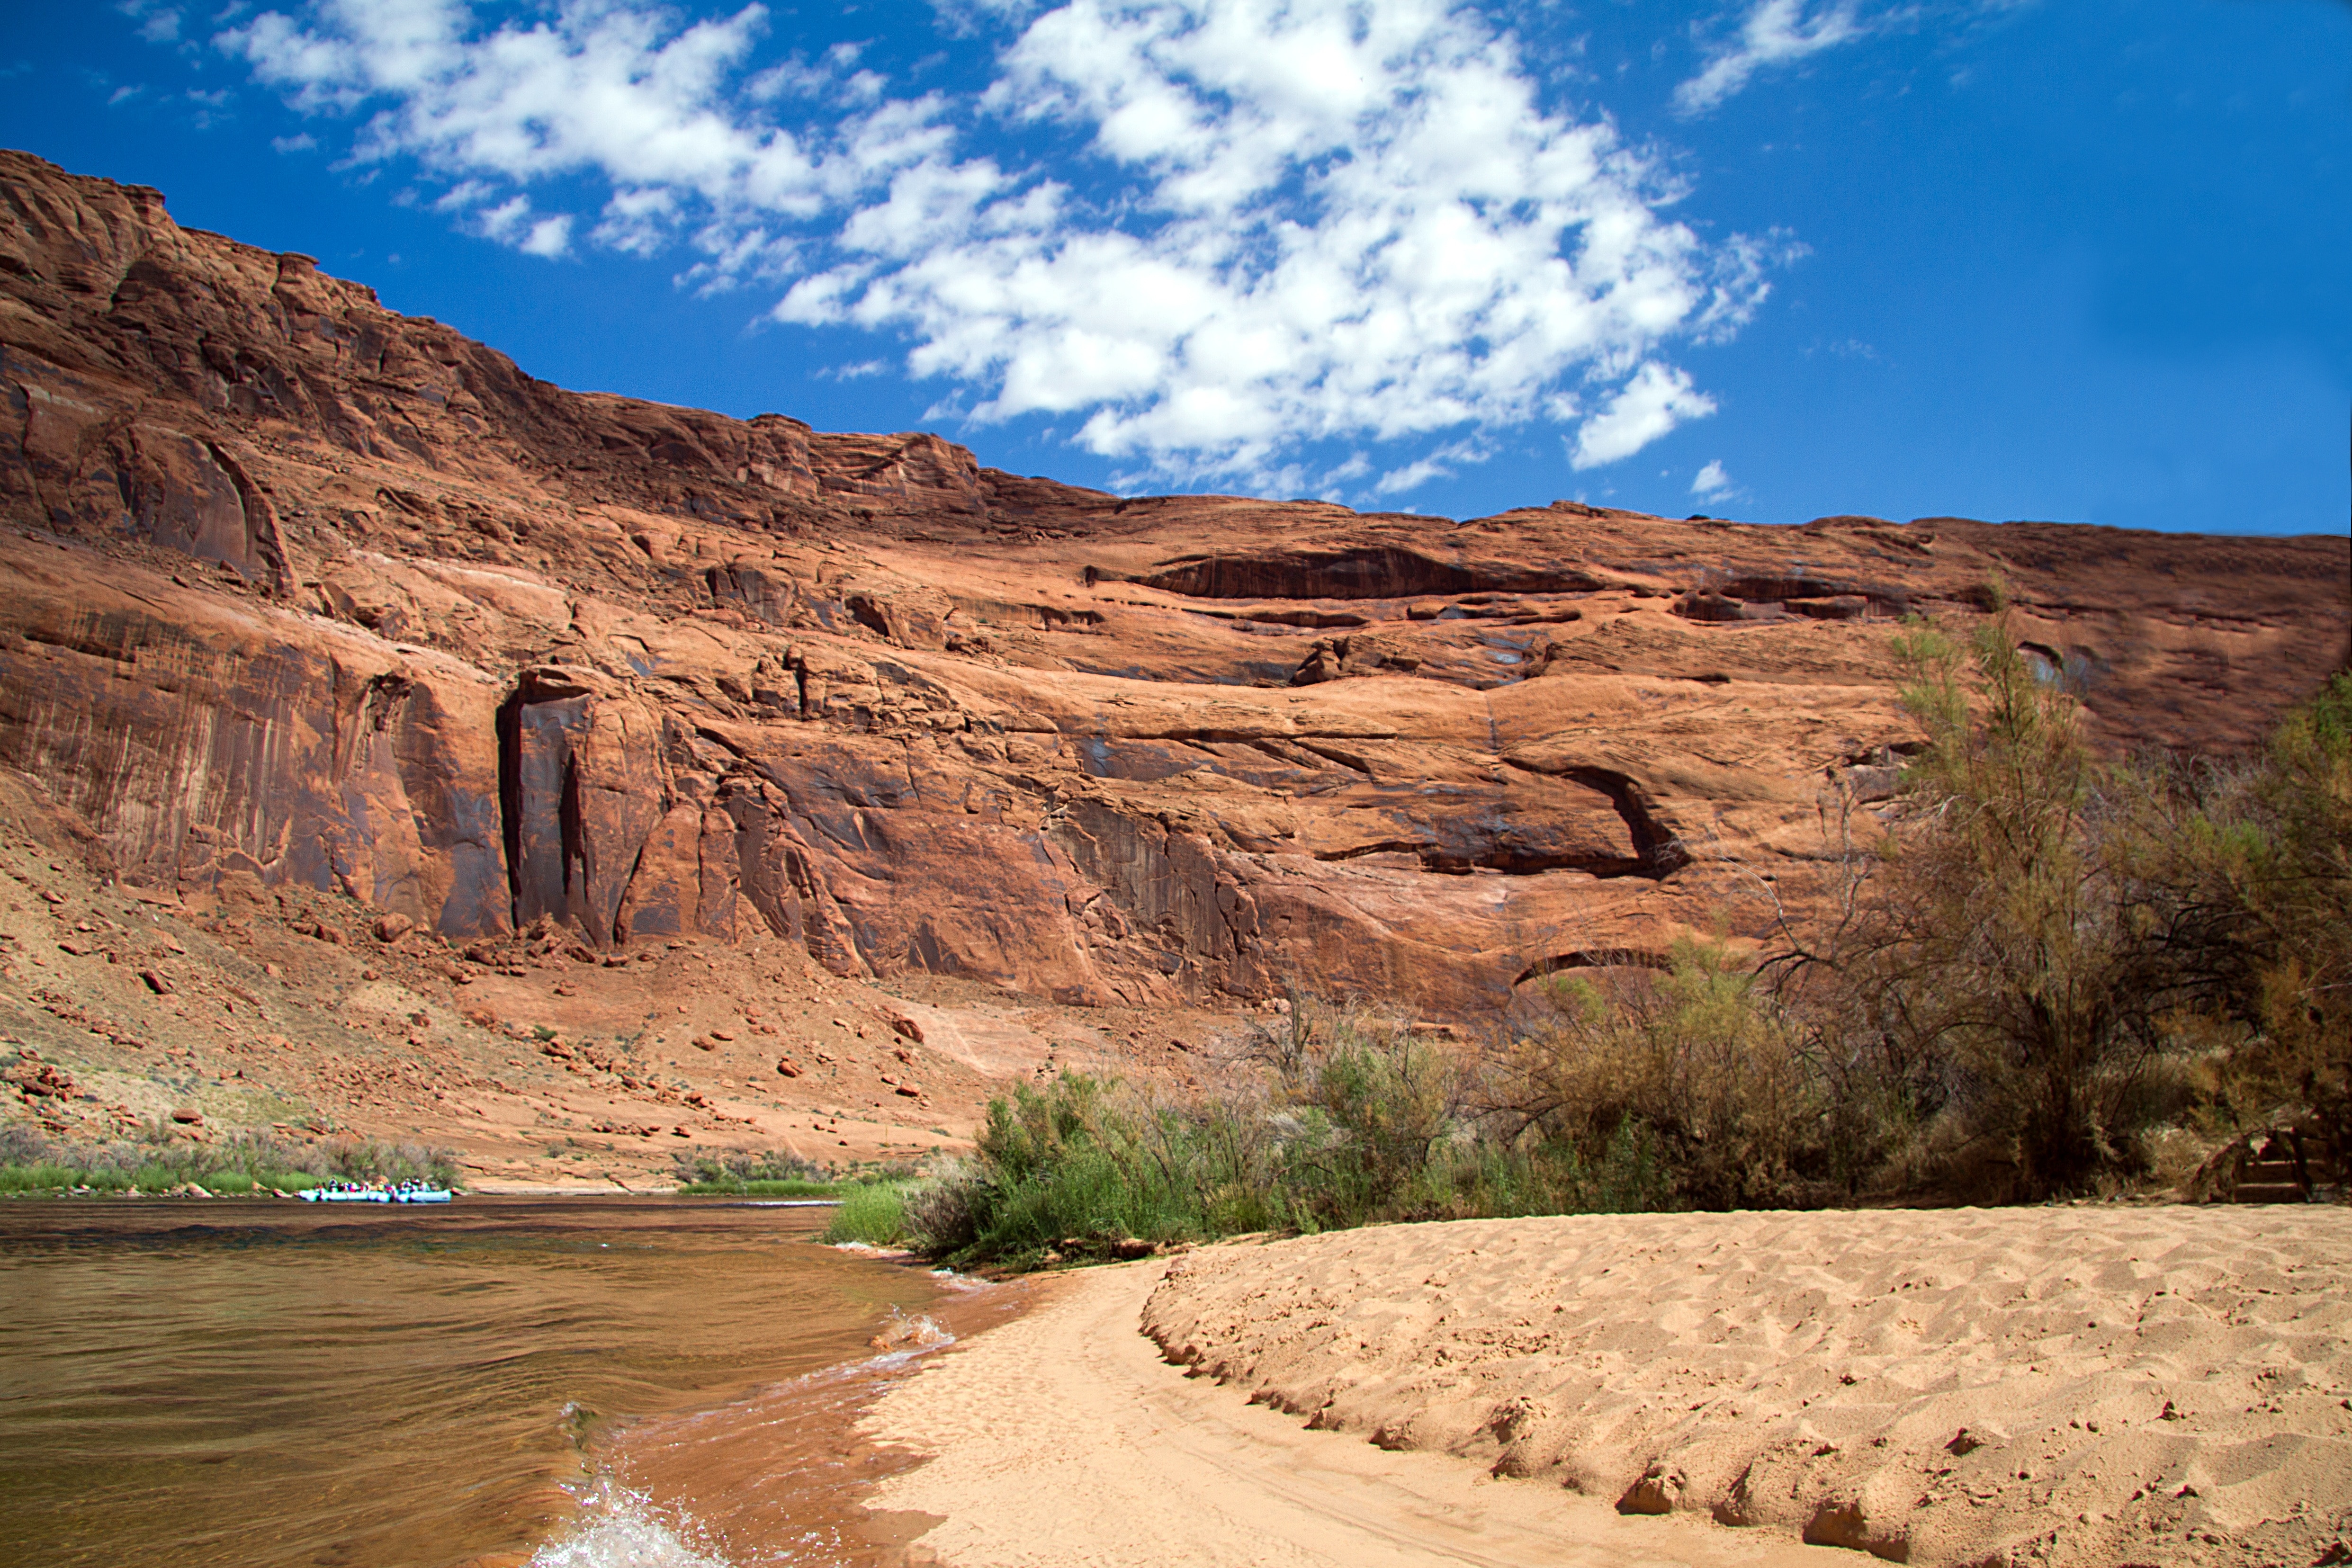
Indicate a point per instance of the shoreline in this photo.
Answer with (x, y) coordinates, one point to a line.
(2075, 1387)
(492, 1190)
(778, 1470)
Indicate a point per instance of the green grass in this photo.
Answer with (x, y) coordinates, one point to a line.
(754, 1186)
(37, 1179)
(872, 1212)
(49, 1179)
(241, 1165)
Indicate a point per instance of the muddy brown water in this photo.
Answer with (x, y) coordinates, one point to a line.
(573, 1383)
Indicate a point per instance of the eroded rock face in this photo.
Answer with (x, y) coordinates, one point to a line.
(301, 591)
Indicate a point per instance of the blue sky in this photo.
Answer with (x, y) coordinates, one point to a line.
(1771, 259)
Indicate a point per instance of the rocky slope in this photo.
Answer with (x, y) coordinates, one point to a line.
(301, 597)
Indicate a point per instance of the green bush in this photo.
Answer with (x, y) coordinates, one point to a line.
(1329, 1120)
(2055, 959)
(1686, 1087)
(2244, 869)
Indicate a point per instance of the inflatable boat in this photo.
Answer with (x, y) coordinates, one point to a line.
(375, 1192)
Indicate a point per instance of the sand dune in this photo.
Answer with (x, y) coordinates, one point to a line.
(2073, 1386)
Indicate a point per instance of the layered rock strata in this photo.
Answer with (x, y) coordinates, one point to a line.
(297, 590)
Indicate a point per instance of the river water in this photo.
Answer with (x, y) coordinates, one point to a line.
(569, 1382)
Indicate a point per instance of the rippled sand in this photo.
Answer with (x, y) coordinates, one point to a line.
(2073, 1386)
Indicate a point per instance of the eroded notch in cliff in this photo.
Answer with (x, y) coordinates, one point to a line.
(1661, 853)
(1592, 958)
(539, 800)
(1368, 571)
(509, 728)
(1658, 851)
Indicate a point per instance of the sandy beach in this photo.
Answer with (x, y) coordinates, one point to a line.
(2063, 1387)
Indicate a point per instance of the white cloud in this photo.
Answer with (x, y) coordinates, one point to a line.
(1438, 465)
(510, 220)
(1774, 32)
(834, 78)
(1658, 398)
(548, 236)
(637, 221)
(303, 142)
(1711, 483)
(157, 24)
(465, 194)
(1257, 228)
(600, 87)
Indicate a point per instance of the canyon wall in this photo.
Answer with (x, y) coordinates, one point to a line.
(295, 590)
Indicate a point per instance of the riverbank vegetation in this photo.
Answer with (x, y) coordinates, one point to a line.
(238, 1165)
(2052, 974)
(873, 1213)
(751, 1173)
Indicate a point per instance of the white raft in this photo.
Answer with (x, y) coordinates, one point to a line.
(347, 1192)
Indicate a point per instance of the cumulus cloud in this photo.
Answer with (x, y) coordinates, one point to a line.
(1773, 32)
(1215, 234)
(547, 236)
(1653, 402)
(606, 88)
(1711, 483)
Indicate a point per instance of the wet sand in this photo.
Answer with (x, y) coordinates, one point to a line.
(2070, 1386)
(780, 1474)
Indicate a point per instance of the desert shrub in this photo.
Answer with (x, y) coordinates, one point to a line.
(2245, 867)
(938, 1213)
(1328, 1120)
(1085, 1162)
(751, 1173)
(1689, 1086)
(374, 1159)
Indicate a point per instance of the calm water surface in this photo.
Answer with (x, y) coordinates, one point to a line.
(261, 1384)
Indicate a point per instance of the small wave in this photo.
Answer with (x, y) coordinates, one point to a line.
(955, 1281)
(618, 1528)
(905, 1337)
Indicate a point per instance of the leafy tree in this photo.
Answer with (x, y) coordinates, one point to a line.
(2004, 985)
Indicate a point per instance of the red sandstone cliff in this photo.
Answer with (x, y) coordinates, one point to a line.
(296, 592)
